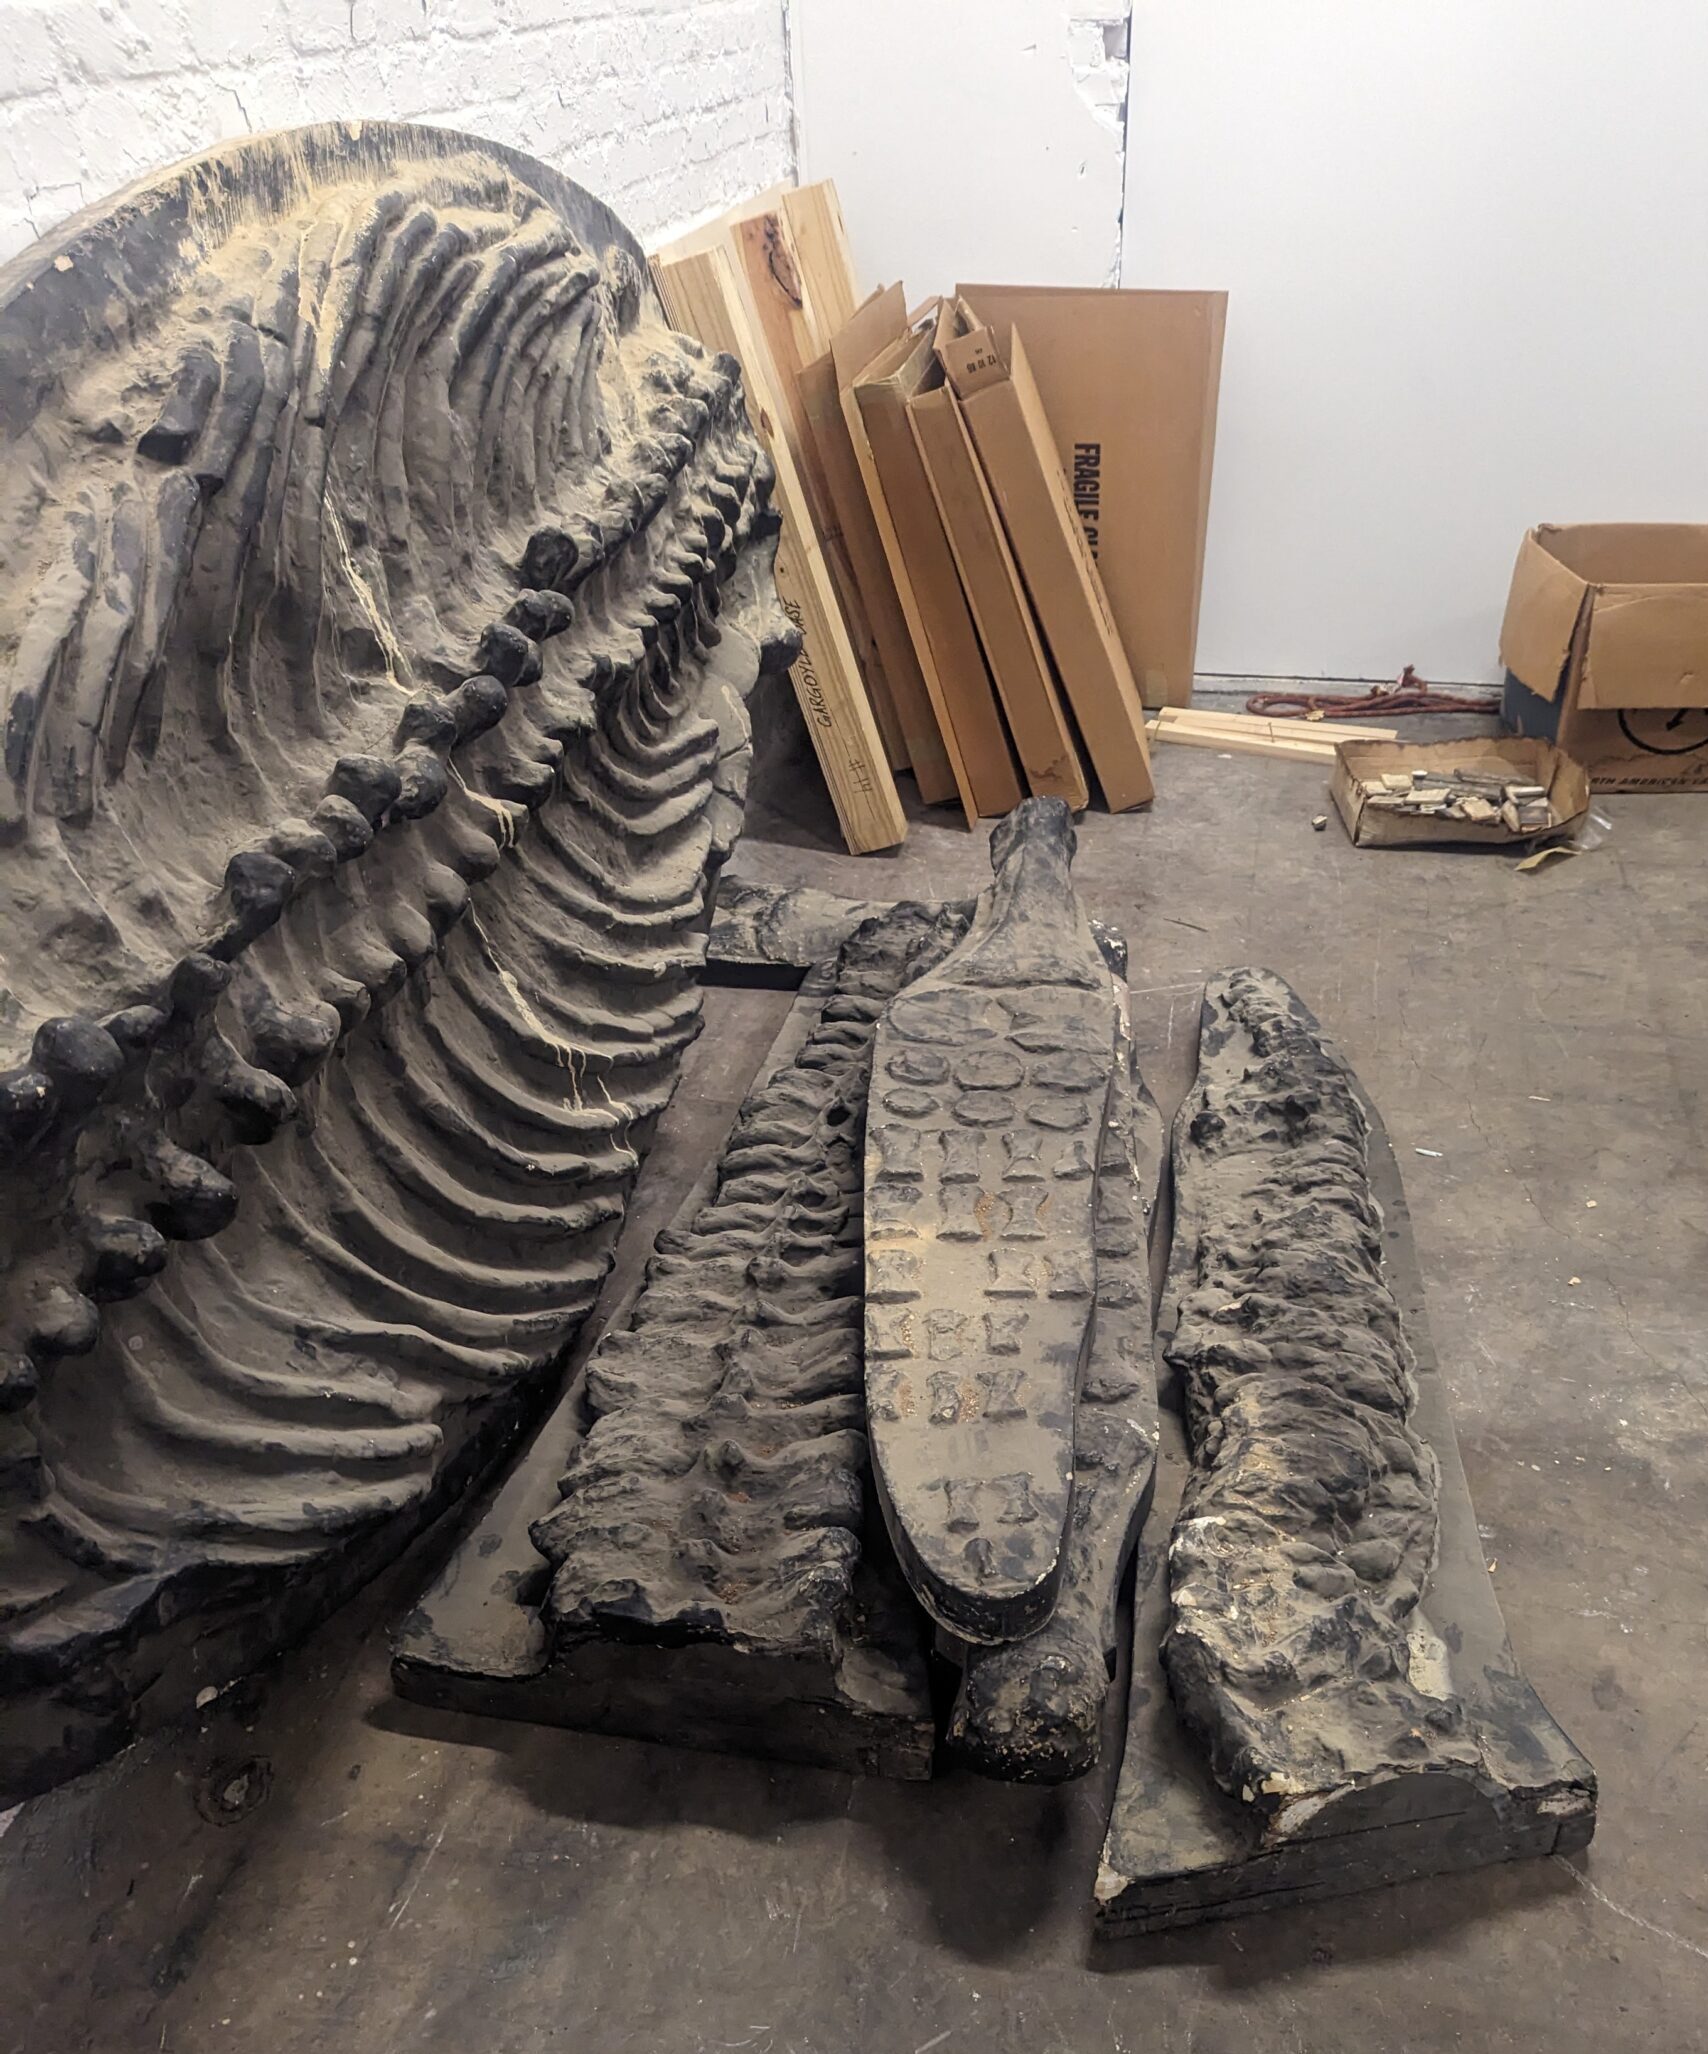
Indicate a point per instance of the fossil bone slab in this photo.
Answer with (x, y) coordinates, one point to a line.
(1324, 1697)
(717, 1578)
(381, 584)
(990, 1086)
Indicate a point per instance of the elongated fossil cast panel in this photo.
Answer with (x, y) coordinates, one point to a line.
(381, 584)
(1308, 1531)
(771, 934)
(1324, 1697)
(718, 1574)
(990, 1086)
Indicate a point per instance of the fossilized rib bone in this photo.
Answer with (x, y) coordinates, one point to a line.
(990, 1085)
(1309, 1527)
(380, 587)
(720, 1491)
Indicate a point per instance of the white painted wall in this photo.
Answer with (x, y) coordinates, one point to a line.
(670, 110)
(1468, 274)
(967, 142)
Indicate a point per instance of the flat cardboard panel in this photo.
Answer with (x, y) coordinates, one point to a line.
(1630, 552)
(878, 331)
(1017, 453)
(945, 639)
(1542, 611)
(1020, 670)
(1566, 782)
(1129, 382)
(825, 435)
(1648, 646)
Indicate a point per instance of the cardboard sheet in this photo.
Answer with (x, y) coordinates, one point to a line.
(1129, 382)
(1017, 452)
(944, 638)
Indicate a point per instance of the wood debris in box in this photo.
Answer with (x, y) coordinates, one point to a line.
(1521, 805)
(1490, 789)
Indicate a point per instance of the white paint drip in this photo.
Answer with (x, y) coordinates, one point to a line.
(508, 813)
(565, 1056)
(370, 607)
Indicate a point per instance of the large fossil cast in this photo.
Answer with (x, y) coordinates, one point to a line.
(1323, 1696)
(381, 584)
(720, 1573)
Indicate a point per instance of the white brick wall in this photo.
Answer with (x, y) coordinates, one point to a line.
(670, 110)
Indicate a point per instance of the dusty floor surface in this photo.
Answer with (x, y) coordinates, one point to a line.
(323, 1867)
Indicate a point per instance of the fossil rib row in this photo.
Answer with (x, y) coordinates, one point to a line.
(720, 1491)
(377, 614)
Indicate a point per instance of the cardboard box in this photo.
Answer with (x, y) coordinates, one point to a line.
(1537, 763)
(923, 566)
(1605, 644)
(1129, 381)
(1037, 720)
(1017, 453)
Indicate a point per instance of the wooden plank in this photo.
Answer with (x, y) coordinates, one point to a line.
(923, 566)
(700, 295)
(814, 215)
(1043, 738)
(764, 252)
(760, 242)
(1256, 723)
(1239, 744)
(714, 234)
(880, 322)
(770, 276)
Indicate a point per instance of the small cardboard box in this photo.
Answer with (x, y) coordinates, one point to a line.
(1016, 450)
(1605, 644)
(1536, 763)
(1129, 381)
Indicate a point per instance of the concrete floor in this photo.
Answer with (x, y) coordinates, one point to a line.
(324, 1868)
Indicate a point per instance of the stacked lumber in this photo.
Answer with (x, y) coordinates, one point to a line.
(737, 286)
(953, 620)
(1247, 734)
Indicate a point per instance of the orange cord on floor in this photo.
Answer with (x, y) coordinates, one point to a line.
(1411, 694)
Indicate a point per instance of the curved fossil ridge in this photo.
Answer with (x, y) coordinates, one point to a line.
(1308, 1530)
(380, 588)
(720, 1493)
